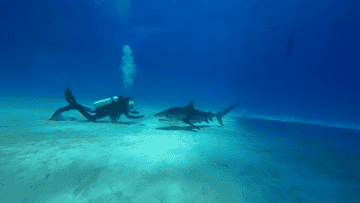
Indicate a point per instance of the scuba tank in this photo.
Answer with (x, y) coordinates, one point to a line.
(105, 102)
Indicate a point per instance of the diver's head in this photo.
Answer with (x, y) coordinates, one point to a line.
(130, 103)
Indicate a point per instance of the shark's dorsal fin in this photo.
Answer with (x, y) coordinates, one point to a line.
(191, 104)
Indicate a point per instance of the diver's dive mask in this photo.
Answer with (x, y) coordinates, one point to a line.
(130, 104)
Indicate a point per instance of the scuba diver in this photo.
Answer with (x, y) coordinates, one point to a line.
(112, 107)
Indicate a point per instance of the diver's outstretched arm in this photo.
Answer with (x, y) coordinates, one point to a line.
(133, 111)
(131, 116)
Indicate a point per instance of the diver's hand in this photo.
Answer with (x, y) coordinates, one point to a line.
(133, 117)
(133, 111)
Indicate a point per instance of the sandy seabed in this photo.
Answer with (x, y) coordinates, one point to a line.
(143, 160)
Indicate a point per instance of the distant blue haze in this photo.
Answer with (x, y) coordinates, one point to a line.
(216, 52)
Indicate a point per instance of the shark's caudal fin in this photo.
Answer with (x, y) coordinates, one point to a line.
(223, 113)
(244, 113)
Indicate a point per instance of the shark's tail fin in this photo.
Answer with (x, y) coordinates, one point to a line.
(223, 113)
(245, 113)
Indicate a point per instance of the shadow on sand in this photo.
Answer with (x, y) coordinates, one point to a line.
(117, 123)
(181, 128)
(63, 118)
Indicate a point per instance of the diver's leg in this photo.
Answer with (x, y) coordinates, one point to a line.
(114, 116)
(74, 105)
(99, 115)
(69, 107)
(85, 114)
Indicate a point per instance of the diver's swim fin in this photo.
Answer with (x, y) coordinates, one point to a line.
(73, 105)
(58, 112)
(69, 96)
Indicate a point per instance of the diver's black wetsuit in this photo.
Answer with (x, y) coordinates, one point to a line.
(113, 110)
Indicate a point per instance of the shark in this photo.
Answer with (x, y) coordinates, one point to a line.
(189, 115)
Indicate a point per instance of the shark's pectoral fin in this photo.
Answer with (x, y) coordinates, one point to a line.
(188, 122)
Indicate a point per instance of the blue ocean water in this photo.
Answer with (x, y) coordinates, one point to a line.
(225, 52)
(217, 53)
